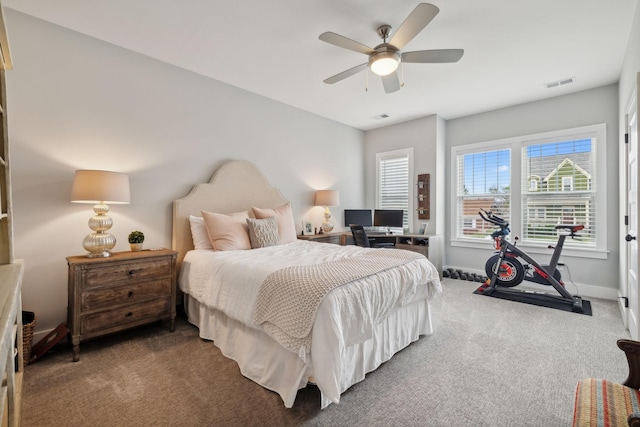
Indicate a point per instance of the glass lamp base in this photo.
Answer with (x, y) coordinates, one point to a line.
(99, 244)
(103, 254)
(327, 227)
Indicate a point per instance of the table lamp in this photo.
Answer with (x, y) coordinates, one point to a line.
(101, 188)
(327, 198)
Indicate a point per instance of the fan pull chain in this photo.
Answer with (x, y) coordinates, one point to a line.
(366, 81)
(402, 73)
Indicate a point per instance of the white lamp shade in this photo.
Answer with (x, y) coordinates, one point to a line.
(327, 198)
(105, 187)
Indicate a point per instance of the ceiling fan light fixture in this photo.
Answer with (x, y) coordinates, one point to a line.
(384, 63)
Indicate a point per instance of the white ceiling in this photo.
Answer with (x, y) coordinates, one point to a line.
(512, 48)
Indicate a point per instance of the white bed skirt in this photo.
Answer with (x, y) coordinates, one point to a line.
(333, 365)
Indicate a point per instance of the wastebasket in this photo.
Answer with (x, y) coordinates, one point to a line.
(28, 326)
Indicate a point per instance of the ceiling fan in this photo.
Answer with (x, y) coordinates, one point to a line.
(385, 58)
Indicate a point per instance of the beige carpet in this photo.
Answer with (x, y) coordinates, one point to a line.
(490, 363)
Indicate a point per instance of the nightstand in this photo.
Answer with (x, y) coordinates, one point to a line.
(127, 289)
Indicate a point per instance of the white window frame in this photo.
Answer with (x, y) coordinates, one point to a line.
(515, 144)
(395, 154)
(567, 182)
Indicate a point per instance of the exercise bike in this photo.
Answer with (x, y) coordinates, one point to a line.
(505, 270)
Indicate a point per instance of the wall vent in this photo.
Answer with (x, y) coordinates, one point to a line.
(559, 82)
(380, 117)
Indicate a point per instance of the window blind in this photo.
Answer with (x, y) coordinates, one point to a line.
(393, 184)
(483, 183)
(565, 193)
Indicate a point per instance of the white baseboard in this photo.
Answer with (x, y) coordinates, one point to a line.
(588, 291)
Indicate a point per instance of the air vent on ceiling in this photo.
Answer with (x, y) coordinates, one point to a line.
(559, 82)
(380, 117)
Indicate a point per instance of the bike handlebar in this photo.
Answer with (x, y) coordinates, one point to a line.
(500, 222)
(494, 219)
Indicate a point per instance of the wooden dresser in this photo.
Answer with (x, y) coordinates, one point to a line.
(127, 289)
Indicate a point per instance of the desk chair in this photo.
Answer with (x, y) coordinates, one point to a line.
(361, 239)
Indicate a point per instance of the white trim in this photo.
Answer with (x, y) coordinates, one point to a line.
(561, 165)
(532, 249)
(395, 154)
(516, 145)
(585, 291)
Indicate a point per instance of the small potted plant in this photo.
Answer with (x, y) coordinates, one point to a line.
(136, 238)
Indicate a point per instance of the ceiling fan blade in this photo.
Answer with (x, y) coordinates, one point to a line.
(391, 82)
(347, 73)
(344, 42)
(433, 56)
(415, 22)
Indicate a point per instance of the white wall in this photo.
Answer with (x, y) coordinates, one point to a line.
(594, 277)
(76, 102)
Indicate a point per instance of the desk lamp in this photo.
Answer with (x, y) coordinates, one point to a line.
(327, 198)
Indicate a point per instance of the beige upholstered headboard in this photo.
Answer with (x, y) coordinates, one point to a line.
(236, 186)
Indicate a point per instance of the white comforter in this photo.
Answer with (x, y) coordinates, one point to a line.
(229, 281)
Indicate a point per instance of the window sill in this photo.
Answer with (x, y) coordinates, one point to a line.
(592, 253)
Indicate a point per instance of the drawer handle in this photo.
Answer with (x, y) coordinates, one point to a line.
(130, 294)
(129, 314)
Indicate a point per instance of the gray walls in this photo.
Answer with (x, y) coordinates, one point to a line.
(597, 277)
(422, 135)
(432, 139)
(76, 102)
(631, 65)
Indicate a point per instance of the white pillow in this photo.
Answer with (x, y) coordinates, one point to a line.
(199, 233)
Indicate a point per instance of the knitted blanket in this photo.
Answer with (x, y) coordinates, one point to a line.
(289, 298)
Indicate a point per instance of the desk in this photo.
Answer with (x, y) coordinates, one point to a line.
(431, 246)
(335, 238)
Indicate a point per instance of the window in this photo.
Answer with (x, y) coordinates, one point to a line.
(567, 166)
(394, 189)
(535, 182)
(483, 183)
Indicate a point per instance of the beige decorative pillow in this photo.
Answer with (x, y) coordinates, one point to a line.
(263, 232)
(227, 232)
(286, 224)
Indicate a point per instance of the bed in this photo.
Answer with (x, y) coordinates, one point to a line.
(362, 321)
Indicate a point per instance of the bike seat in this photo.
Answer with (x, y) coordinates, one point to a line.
(573, 228)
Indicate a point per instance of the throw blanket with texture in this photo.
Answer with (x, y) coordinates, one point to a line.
(289, 298)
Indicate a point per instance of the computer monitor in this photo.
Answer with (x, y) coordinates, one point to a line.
(357, 216)
(388, 218)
